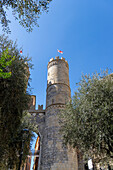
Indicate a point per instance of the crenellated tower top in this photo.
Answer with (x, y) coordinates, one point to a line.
(57, 59)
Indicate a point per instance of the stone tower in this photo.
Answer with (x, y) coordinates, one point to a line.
(54, 155)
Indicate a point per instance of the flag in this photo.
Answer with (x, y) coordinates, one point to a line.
(60, 51)
(20, 51)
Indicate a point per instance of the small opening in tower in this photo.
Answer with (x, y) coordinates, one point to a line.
(52, 101)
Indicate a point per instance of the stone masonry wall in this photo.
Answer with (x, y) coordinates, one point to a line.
(56, 156)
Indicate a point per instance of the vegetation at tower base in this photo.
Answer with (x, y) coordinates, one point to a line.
(27, 12)
(14, 101)
(87, 122)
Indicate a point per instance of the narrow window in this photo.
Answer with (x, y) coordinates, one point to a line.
(52, 101)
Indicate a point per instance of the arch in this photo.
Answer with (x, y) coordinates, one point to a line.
(37, 152)
(34, 157)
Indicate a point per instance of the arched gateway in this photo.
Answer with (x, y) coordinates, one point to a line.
(53, 155)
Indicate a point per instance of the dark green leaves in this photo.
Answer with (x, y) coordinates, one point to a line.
(88, 119)
(14, 100)
(26, 12)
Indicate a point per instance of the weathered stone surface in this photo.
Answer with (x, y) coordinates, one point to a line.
(54, 155)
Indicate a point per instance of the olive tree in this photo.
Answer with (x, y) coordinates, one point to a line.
(27, 12)
(87, 121)
(14, 103)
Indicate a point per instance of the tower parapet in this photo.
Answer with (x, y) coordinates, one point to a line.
(52, 61)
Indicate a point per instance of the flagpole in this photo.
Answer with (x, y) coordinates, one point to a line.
(57, 53)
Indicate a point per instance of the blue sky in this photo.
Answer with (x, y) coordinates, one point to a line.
(83, 29)
(33, 149)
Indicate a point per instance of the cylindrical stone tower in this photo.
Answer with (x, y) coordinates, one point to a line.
(56, 156)
(58, 87)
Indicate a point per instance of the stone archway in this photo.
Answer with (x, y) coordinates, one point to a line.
(37, 153)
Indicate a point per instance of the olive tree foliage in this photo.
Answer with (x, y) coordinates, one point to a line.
(5, 62)
(27, 12)
(14, 103)
(87, 121)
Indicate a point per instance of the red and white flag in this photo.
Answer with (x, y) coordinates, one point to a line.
(20, 51)
(61, 52)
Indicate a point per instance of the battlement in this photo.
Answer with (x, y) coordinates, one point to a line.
(40, 107)
(40, 110)
(57, 58)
